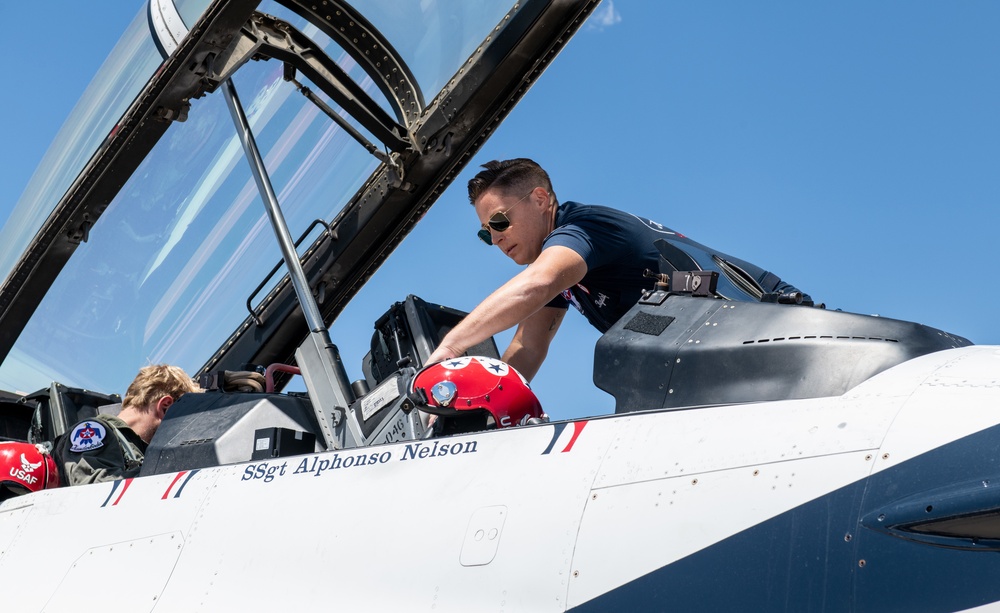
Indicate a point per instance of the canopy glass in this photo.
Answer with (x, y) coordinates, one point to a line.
(167, 269)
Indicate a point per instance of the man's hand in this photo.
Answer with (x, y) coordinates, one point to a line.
(553, 271)
(442, 353)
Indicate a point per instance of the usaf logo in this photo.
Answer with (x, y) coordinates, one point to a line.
(24, 473)
(87, 436)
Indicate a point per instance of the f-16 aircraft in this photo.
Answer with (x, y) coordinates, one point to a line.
(246, 169)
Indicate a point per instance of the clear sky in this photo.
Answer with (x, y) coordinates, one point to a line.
(852, 148)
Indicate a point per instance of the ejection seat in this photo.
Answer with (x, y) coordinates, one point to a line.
(15, 417)
(57, 408)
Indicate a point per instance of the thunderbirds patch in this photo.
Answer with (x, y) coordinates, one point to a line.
(87, 436)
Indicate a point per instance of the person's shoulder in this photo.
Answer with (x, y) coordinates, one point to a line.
(572, 208)
(92, 434)
(571, 212)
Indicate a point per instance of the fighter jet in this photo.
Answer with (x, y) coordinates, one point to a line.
(247, 169)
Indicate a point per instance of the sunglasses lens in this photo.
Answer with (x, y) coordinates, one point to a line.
(499, 222)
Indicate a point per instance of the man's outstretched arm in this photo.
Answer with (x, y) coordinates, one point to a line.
(555, 269)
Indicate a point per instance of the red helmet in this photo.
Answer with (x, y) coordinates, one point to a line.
(463, 386)
(25, 468)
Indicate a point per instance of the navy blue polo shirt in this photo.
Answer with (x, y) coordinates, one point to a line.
(617, 248)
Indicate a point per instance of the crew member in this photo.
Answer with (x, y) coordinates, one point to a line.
(109, 447)
(591, 256)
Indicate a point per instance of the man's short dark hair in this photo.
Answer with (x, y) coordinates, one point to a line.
(516, 175)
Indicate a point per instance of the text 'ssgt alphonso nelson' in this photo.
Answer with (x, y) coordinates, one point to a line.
(319, 464)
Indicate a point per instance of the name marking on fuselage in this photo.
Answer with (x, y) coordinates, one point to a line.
(323, 463)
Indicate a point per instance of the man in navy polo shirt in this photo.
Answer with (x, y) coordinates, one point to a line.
(591, 256)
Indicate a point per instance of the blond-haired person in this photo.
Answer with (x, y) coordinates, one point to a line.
(110, 447)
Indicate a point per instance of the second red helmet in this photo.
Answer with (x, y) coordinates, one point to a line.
(25, 468)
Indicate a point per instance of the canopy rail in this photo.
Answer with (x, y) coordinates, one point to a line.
(264, 36)
(370, 49)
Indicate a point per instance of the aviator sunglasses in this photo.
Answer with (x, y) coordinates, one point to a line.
(499, 221)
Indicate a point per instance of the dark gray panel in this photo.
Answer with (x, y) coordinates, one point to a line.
(722, 352)
(203, 430)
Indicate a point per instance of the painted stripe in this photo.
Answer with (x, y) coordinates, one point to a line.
(125, 485)
(577, 429)
(172, 483)
(557, 430)
(114, 487)
(186, 481)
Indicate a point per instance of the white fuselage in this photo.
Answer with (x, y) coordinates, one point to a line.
(534, 518)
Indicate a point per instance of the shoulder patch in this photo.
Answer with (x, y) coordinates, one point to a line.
(87, 436)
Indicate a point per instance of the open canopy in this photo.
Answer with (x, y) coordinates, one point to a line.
(142, 238)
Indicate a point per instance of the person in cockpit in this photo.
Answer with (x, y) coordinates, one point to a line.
(109, 447)
(591, 256)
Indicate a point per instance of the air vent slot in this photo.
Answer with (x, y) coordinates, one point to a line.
(821, 337)
(965, 516)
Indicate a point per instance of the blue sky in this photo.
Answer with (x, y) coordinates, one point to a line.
(850, 148)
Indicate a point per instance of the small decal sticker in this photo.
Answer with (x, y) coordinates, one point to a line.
(379, 398)
(88, 436)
